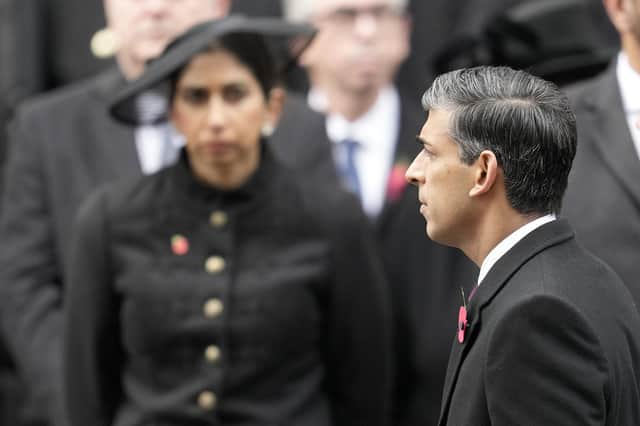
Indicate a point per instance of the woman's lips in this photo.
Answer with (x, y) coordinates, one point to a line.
(218, 146)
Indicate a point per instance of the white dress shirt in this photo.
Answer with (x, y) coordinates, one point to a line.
(629, 82)
(505, 245)
(376, 132)
(157, 146)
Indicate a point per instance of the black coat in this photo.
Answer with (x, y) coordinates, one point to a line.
(278, 278)
(603, 196)
(553, 339)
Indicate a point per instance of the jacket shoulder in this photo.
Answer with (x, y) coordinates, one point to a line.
(582, 92)
(70, 97)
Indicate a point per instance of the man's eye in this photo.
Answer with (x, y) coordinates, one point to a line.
(195, 96)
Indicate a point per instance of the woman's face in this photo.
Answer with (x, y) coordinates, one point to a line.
(220, 109)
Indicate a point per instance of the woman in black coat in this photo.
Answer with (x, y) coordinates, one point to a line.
(226, 289)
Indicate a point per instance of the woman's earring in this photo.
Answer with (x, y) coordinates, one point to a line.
(104, 43)
(267, 130)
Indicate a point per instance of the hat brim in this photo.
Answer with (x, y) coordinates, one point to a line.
(178, 53)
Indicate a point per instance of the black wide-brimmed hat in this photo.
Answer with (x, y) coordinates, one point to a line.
(285, 41)
(559, 40)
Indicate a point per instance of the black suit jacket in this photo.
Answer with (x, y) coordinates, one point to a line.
(603, 196)
(424, 277)
(62, 146)
(554, 339)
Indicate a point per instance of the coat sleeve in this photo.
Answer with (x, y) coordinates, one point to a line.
(545, 366)
(31, 273)
(92, 352)
(360, 341)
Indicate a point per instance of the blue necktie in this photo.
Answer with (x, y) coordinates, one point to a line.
(346, 165)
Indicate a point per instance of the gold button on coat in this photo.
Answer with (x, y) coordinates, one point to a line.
(212, 353)
(218, 219)
(213, 308)
(207, 400)
(214, 264)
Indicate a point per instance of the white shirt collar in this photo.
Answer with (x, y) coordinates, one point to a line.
(505, 245)
(158, 146)
(629, 81)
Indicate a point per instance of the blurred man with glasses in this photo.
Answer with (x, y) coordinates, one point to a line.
(371, 128)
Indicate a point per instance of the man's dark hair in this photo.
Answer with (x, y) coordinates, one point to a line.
(525, 121)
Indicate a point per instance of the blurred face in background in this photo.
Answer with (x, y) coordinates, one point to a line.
(143, 28)
(360, 43)
(220, 108)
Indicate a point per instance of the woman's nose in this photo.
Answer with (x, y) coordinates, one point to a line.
(216, 113)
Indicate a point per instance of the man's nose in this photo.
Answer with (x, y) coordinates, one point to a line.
(413, 174)
(366, 24)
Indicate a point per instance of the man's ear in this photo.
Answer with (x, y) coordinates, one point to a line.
(619, 13)
(485, 173)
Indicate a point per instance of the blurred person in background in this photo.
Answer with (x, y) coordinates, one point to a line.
(225, 289)
(63, 145)
(371, 128)
(603, 197)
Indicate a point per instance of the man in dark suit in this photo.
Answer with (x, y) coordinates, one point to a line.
(550, 336)
(371, 131)
(63, 146)
(603, 196)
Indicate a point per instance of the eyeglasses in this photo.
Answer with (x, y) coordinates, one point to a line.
(346, 17)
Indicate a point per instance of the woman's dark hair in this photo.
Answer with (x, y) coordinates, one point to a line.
(252, 51)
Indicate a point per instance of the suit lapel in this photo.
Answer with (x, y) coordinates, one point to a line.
(545, 236)
(612, 138)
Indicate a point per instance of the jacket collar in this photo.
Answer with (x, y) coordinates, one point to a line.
(256, 187)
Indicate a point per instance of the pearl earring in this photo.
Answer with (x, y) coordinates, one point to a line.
(267, 130)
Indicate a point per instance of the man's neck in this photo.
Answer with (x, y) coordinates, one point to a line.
(498, 224)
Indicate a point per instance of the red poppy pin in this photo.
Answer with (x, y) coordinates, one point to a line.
(463, 324)
(179, 245)
(397, 182)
